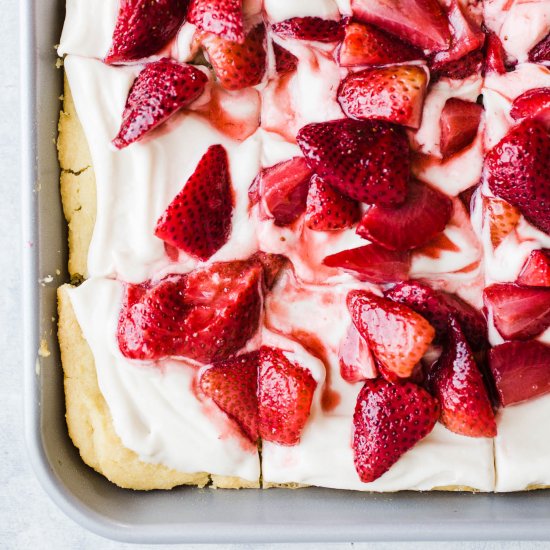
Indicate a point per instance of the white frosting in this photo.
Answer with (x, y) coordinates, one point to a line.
(279, 10)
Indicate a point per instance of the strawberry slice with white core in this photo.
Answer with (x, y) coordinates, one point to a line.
(458, 125)
(389, 420)
(521, 370)
(221, 17)
(309, 28)
(198, 221)
(536, 271)
(503, 218)
(365, 160)
(533, 103)
(397, 335)
(144, 27)
(541, 52)
(456, 381)
(356, 361)
(425, 213)
(161, 89)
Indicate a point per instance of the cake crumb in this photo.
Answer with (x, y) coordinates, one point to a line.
(44, 350)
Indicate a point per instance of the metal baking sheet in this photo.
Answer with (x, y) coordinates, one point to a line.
(187, 514)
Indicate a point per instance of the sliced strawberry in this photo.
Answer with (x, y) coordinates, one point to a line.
(419, 22)
(395, 93)
(372, 263)
(285, 62)
(309, 28)
(536, 271)
(503, 218)
(198, 220)
(365, 160)
(437, 306)
(285, 393)
(534, 103)
(144, 27)
(397, 335)
(233, 386)
(459, 69)
(425, 214)
(238, 66)
(517, 171)
(458, 124)
(367, 45)
(495, 58)
(273, 265)
(356, 361)
(329, 210)
(161, 89)
(467, 195)
(389, 420)
(541, 52)
(521, 370)
(456, 381)
(221, 17)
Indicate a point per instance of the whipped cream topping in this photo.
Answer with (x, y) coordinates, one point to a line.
(279, 10)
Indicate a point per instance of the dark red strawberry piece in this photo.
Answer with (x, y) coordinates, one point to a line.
(356, 360)
(495, 58)
(521, 370)
(365, 160)
(467, 195)
(541, 52)
(198, 221)
(397, 336)
(238, 66)
(471, 63)
(437, 306)
(457, 383)
(519, 312)
(536, 271)
(327, 209)
(389, 420)
(395, 93)
(366, 45)
(372, 263)
(221, 17)
(273, 265)
(534, 103)
(285, 62)
(425, 214)
(144, 27)
(459, 123)
(233, 386)
(285, 393)
(309, 28)
(161, 89)
(517, 171)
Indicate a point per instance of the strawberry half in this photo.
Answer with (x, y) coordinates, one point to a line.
(144, 27)
(517, 171)
(519, 312)
(365, 160)
(503, 218)
(355, 357)
(329, 210)
(521, 370)
(541, 52)
(536, 271)
(372, 263)
(221, 17)
(237, 66)
(457, 383)
(367, 45)
(161, 89)
(425, 213)
(534, 103)
(495, 58)
(389, 420)
(397, 335)
(285, 393)
(285, 62)
(309, 28)
(458, 125)
(394, 93)
(233, 386)
(198, 221)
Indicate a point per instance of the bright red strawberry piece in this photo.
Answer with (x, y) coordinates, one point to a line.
(517, 171)
(521, 370)
(285, 393)
(367, 45)
(534, 103)
(495, 58)
(437, 306)
(419, 22)
(365, 160)
(233, 386)
(221, 17)
(394, 93)
(198, 221)
(272, 264)
(161, 89)
(238, 66)
(329, 210)
(458, 124)
(519, 312)
(309, 28)
(389, 420)
(372, 263)
(536, 271)
(285, 62)
(503, 218)
(456, 381)
(425, 213)
(471, 63)
(397, 335)
(541, 52)
(356, 361)
(144, 27)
